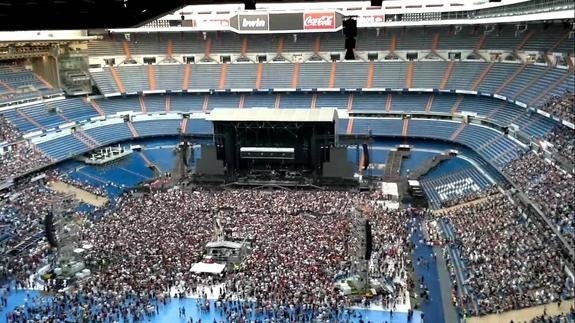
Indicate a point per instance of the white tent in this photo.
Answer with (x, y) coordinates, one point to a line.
(213, 268)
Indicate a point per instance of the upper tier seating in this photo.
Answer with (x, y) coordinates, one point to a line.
(17, 83)
(530, 84)
(543, 38)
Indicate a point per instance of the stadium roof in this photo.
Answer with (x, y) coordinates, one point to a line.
(91, 14)
(274, 115)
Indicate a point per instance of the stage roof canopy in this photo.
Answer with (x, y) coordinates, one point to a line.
(274, 115)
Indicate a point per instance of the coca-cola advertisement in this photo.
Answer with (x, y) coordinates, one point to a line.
(318, 20)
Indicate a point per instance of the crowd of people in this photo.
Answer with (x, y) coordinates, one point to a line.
(22, 158)
(563, 140)
(511, 261)
(301, 241)
(82, 184)
(548, 186)
(471, 196)
(561, 106)
(8, 132)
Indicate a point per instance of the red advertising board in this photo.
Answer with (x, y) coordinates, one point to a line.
(318, 20)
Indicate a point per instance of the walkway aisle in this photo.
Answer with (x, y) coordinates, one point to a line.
(426, 267)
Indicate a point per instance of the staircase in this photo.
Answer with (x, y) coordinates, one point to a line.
(143, 105)
(479, 79)
(552, 87)
(223, 73)
(206, 104)
(133, 130)
(429, 103)
(456, 104)
(350, 102)
(446, 75)
(435, 43)
(86, 140)
(259, 76)
(331, 83)
(29, 119)
(184, 125)
(168, 103)
(208, 47)
(511, 78)
(524, 40)
(313, 101)
(170, 49)
(393, 166)
(562, 39)
(369, 81)
(187, 73)
(349, 129)
(117, 79)
(277, 101)
(458, 131)
(409, 77)
(126, 48)
(96, 107)
(429, 165)
(388, 103)
(242, 101)
(295, 76)
(405, 127)
(151, 77)
(480, 43)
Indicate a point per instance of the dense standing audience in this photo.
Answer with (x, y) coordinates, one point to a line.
(23, 158)
(548, 186)
(301, 241)
(511, 261)
(561, 106)
(563, 140)
(8, 132)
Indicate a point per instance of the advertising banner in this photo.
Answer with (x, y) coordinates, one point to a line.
(370, 20)
(253, 22)
(319, 20)
(286, 21)
(211, 22)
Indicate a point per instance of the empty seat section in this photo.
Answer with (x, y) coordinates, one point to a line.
(199, 126)
(466, 38)
(494, 109)
(74, 109)
(303, 43)
(442, 103)
(224, 101)
(378, 127)
(368, 40)
(314, 75)
(543, 85)
(186, 102)
(39, 114)
(295, 101)
(535, 125)
(413, 38)
(332, 100)
(117, 105)
(389, 74)
(257, 45)
(464, 74)
(375, 102)
(20, 122)
(226, 43)
(205, 76)
(522, 79)
(241, 76)
(498, 74)
(134, 78)
(108, 134)
(432, 128)
(188, 44)
(259, 101)
(409, 102)
(104, 81)
(147, 44)
(351, 75)
(277, 75)
(157, 127)
(428, 74)
(157, 103)
(62, 148)
(503, 38)
(105, 48)
(169, 77)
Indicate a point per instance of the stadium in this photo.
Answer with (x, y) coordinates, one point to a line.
(287, 161)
